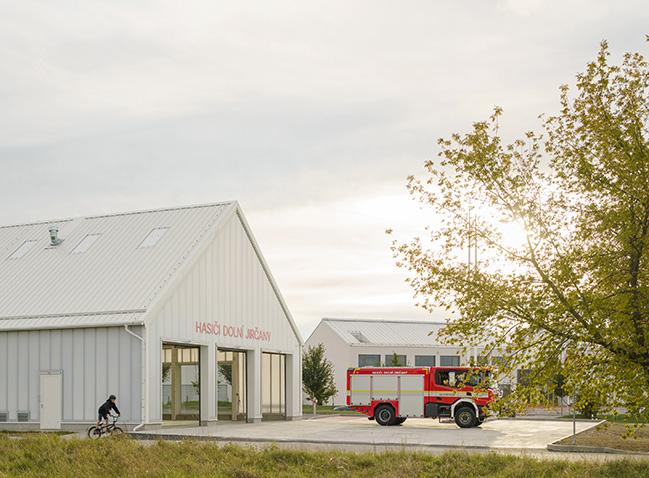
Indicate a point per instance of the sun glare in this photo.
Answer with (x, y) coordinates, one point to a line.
(514, 234)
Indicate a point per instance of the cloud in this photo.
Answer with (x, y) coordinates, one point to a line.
(334, 259)
(524, 7)
(310, 114)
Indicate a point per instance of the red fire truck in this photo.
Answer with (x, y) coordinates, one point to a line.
(392, 394)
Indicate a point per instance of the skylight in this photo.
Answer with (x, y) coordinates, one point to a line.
(22, 250)
(359, 336)
(153, 238)
(85, 244)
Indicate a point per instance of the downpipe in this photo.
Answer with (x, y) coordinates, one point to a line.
(142, 400)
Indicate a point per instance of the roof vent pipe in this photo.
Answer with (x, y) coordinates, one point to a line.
(54, 236)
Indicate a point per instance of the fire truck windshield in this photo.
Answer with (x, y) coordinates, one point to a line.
(478, 378)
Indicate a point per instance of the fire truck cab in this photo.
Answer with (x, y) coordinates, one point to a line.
(392, 394)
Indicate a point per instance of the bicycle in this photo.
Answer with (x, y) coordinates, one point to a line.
(101, 430)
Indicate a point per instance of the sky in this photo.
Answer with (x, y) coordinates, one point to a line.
(310, 114)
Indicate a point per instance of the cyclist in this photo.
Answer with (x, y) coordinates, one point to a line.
(105, 409)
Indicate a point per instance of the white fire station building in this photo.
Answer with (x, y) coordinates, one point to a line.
(174, 311)
(374, 342)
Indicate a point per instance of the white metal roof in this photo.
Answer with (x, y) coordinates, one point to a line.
(386, 332)
(111, 282)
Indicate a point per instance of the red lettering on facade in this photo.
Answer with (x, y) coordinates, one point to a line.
(214, 328)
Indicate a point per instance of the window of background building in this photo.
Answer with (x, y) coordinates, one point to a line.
(481, 361)
(500, 361)
(424, 360)
(369, 360)
(522, 376)
(449, 361)
(400, 358)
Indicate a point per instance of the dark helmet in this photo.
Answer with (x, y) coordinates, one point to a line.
(112, 397)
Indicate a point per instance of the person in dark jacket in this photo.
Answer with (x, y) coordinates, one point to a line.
(105, 409)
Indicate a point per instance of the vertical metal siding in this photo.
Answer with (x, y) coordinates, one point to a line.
(78, 362)
(33, 380)
(83, 356)
(101, 366)
(67, 366)
(112, 360)
(4, 371)
(22, 358)
(44, 346)
(12, 372)
(56, 362)
(123, 363)
(154, 384)
(89, 371)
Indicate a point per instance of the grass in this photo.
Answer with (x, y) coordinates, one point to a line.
(612, 436)
(42, 455)
(326, 409)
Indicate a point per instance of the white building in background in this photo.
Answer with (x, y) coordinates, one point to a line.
(162, 308)
(361, 342)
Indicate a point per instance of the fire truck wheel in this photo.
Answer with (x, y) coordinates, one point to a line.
(465, 417)
(385, 415)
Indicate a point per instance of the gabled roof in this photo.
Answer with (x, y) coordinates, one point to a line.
(115, 279)
(386, 332)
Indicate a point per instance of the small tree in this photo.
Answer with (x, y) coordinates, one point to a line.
(166, 370)
(225, 369)
(317, 375)
(559, 385)
(395, 361)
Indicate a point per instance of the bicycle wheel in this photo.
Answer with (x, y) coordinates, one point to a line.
(94, 433)
(116, 431)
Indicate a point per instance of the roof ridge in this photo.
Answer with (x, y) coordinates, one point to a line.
(38, 223)
(148, 211)
(392, 321)
(117, 214)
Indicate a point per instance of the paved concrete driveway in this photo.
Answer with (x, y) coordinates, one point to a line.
(506, 434)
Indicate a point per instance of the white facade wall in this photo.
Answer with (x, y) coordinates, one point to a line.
(225, 285)
(94, 362)
(339, 353)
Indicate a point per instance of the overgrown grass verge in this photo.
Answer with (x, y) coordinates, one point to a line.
(611, 435)
(46, 455)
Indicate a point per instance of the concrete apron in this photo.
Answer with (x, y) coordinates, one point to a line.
(504, 435)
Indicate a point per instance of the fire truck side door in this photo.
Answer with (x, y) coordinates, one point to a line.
(444, 390)
(385, 387)
(359, 390)
(411, 396)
